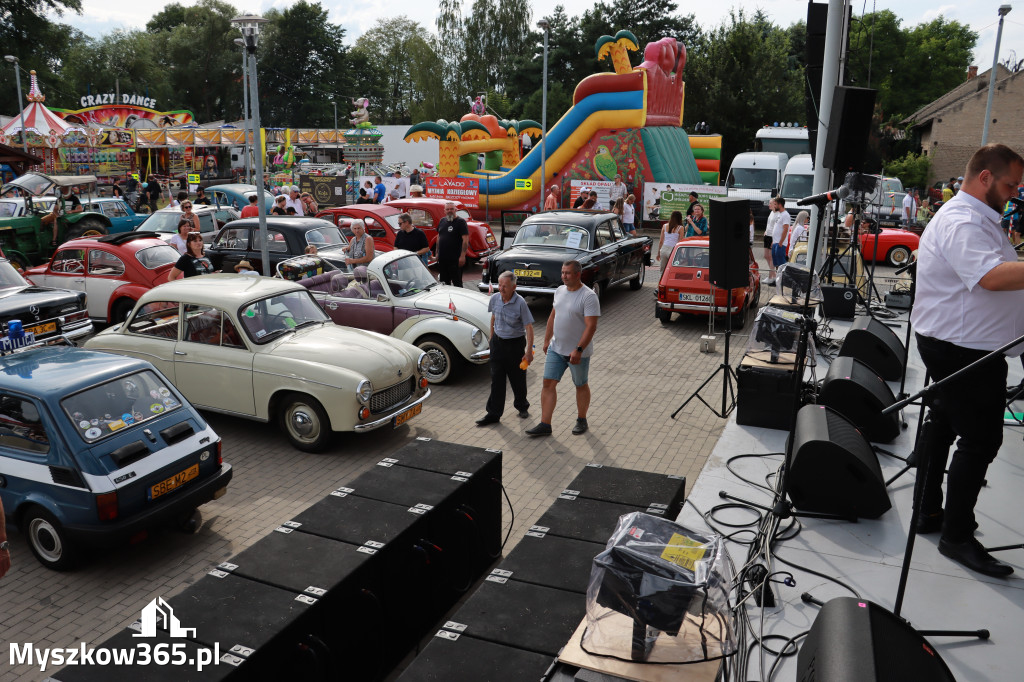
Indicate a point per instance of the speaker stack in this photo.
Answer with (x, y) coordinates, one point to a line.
(855, 391)
(876, 345)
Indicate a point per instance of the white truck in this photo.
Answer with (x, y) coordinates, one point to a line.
(790, 140)
(756, 176)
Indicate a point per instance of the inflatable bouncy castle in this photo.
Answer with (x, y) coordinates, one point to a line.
(626, 123)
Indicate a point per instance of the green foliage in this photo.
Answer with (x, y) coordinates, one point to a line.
(39, 43)
(648, 21)
(912, 170)
(401, 71)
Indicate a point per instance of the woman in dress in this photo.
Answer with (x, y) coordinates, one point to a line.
(360, 246)
(193, 262)
(670, 237)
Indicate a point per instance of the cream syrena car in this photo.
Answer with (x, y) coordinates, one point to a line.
(262, 348)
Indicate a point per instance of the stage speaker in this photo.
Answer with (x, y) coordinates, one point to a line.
(832, 468)
(852, 389)
(853, 640)
(450, 657)
(876, 345)
(551, 561)
(848, 128)
(627, 486)
(729, 240)
(583, 519)
(838, 302)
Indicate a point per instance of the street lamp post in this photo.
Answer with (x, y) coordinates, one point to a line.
(1003, 11)
(17, 73)
(336, 159)
(246, 147)
(249, 24)
(543, 24)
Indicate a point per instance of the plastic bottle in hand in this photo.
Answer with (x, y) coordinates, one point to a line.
(525, 363)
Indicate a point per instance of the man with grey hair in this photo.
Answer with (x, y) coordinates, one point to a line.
(451, 246)
(511, 344)
(569, 333)
(293, 200)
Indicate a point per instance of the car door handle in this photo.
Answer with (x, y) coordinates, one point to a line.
(78, 280)
(180, 352)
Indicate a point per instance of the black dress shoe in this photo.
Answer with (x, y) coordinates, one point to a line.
(523, 414)
(540, 429)
(581, 427)
(929, 523)
(972, 555)
(487, 419)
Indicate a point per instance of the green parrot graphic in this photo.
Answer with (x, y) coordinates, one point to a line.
(604, 163)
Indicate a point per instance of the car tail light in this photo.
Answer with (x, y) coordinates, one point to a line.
(364, 413)
(106, 506)
(220, 454)
(423, 382)
(661, 291)
(76, 317)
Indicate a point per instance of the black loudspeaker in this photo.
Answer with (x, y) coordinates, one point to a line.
(814, 58)
(450, 657)
(853, 640)
(729, 240)
(852, 389)
(626, 486)
(876, 345)
(838, 302)
(832, 468)
(848, 129)
(551, 561)
(583, 519)
(764, 396)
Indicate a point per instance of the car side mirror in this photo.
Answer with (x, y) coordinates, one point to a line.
(382, 298)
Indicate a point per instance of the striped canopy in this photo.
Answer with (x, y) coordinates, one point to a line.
(38, 119)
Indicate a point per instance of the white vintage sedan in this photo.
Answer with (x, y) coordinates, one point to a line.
(262, 348)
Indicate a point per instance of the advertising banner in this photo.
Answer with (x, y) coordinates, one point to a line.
(660, 198)
(599, 186)
(327, 190)
(465, 190)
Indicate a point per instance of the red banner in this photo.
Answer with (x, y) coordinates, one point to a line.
(464, 190)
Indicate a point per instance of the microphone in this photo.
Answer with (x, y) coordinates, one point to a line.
(818, 199)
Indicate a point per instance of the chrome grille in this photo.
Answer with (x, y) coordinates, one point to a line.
(388, 398)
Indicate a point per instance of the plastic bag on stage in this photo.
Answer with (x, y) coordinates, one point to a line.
(659, 593)
(775, 335)
(792, 282)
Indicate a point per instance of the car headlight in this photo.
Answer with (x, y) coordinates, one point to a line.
(423, 364)
(477, 337)
(364, 390)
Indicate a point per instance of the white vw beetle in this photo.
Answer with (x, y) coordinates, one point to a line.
(262, 348)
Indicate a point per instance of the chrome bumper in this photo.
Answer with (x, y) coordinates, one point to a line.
(79, 332)
(377, 423)
(535, 291)
(480, 356)
(694, 307)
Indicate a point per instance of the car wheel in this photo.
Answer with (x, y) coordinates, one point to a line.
(897, 256)
(47, 540)
(638, 281)
(599, 288)
(86, 228)
(305, 423)
(739, 319)
(664, 315)
(119, 311)
(442, 355)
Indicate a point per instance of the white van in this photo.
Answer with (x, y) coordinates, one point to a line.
(756, 176)
(797, 179)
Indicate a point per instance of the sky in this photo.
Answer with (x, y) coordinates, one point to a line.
(100, 17)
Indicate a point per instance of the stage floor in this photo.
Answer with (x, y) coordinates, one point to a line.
(868, 555)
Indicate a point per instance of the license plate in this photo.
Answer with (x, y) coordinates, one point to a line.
(408, 414)
(176, 481)
(695, 298)
(528, 273)
(40, 329)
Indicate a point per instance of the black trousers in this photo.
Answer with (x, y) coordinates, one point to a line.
(506, 354)
(449, 272)
(970, 411)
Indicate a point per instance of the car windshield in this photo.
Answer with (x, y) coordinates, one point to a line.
(325, 237)
(553, 234)
(31, 182)
(797, 186)
(751, 178)
(408, 275)
(692, 257)
(153, 257)
(273, 316)
(167, 221)
(9, 277)
(393, 221)
(104, 409)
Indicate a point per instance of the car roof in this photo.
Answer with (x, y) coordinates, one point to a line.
(223, 290)
(694, 241)
(379, 209)
(238, 188)
(129, 241)
(54, 371)
(286, 222)
(569, 217)
(196, 208)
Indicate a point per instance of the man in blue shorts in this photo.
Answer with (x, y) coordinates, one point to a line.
(569, 334)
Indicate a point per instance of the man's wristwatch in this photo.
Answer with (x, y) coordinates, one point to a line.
(5, 545)
(579, 349)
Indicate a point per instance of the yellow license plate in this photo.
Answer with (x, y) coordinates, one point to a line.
(176, 481)
(42, 328)
(408, 414)
(528, 273)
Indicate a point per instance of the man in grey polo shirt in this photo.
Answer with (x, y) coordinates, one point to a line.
(511, 344)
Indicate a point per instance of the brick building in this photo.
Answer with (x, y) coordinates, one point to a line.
(950, 127)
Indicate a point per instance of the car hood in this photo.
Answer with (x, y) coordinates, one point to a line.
(373, 355)
(468, 304)
(50, 302)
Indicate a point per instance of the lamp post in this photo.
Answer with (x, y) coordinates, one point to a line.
(246, 147)
(543, 24)
(249, 24)
(336, 160)
(17, 73)
(1003, 11)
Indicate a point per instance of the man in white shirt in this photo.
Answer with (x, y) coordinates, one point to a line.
(909, 208)
(778, 223)
(969, 301)
(567, 343)
(293, 200)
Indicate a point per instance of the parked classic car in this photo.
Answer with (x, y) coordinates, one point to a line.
(261, 348)
(165, 221)
(236, 196)
(98, 449)
(114, 270)
(395, 294)
(44, 311)
(685, 287)
(287, 238)
(426, 213)
(548, 239)
(122, 217)
(895, 245)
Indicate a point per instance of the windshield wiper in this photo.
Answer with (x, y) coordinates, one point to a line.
(308, 322)
(274, 334)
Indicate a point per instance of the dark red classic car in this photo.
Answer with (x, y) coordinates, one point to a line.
(427, 213)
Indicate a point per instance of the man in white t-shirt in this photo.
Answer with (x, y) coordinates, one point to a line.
(568, 345)
(909, 208)
(969, 302)
(294, 201)
(778, 223)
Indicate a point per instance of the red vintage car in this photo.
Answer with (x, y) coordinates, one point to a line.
(895, 245)
(427, 213)
(685, 286)
(113, 270)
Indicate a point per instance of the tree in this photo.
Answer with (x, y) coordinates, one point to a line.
(402, 67)
(40, 44)
(496, 28)
(122, 61)
(649, 21)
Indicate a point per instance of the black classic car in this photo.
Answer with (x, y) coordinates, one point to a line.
(287, 238)
(546, 240)
(47, 313)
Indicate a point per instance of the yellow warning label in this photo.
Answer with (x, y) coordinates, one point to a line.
(682, 551)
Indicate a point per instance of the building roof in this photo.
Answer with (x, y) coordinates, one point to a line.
(966, 89)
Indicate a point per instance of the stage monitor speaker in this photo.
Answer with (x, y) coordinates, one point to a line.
(551, 561)
(628, 486)
(583, 519)
(838, 302)
(848, 129)
(876, 345)
(450, 657)
(832, 468)
(852, 389)
(853, 640)
(729, 242)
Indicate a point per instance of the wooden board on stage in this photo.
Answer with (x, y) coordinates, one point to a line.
(785, 303)
(762, 358)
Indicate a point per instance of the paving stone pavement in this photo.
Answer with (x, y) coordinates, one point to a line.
(640, 373)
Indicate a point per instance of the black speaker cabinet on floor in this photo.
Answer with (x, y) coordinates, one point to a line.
(876, 345)
(583, 519)
(833, 468)
(848, 129)
(450, 657)
(853, 640)
(764, 394)
(852, 389)
(551, 561)
(626, 486)
(838, 302)
(729, 243)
